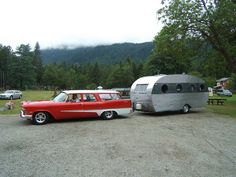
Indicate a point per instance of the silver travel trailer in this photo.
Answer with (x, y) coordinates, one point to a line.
(168, 93)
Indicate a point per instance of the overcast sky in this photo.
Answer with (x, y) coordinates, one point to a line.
(77, 22)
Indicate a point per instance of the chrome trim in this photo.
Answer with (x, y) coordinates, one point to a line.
(23, 116)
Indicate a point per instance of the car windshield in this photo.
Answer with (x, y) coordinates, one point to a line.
(62, 97)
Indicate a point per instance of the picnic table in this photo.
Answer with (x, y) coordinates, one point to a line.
(218, 101)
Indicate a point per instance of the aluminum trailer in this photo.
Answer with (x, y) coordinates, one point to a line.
(168, 93)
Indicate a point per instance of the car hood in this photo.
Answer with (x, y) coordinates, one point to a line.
(6, 94)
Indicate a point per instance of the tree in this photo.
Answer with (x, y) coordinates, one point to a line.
(209, 20)
(24, 50)
(121, 76)
(38, 64)
(95, 74)
(6, 54)
(171, 54)
(22, 70)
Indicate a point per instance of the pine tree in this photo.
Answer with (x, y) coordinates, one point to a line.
(38, 64)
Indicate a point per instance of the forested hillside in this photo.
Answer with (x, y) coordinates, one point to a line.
(104, 54)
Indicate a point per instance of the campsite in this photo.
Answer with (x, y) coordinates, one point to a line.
(118, 88)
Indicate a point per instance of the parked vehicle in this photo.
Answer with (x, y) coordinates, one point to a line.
(11, 94)
(224, 92)
(168, 93)
(76, 104)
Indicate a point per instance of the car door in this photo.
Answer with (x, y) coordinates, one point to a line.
(16, 94)
(12, 94)
(69, 109)
(91, 105)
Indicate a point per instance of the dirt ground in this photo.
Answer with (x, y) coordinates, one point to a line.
(198, 144)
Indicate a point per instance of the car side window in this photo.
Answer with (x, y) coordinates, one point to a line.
(115, 96)
(109, 96)
(88, 97)
(105, 96)
(74, 98)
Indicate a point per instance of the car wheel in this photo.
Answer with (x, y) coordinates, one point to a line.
(20, 96)
(186, 108)
(107, 115)
(40, 118)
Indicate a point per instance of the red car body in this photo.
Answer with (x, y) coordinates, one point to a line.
(89, 103)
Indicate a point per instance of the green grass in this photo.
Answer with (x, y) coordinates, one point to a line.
(27, 96)
(229, 108)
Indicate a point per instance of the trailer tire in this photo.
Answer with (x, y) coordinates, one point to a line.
(186, 109)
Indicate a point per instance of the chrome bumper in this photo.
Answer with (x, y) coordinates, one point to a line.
(23, 116)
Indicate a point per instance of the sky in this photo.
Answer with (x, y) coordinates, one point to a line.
(58, 23)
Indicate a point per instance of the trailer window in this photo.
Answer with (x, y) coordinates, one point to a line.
(179, 87)
(202, 87)
(141, 88)
(192, 88)
(164, 88)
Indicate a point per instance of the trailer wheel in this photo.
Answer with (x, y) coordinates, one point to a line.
(186, 108)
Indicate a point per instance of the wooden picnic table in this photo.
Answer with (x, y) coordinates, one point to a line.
(218, 101)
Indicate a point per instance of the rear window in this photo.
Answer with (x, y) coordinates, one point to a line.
(141, 88)
(107, 96)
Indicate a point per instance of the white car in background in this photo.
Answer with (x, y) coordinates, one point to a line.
(224, 92)
(11, 94)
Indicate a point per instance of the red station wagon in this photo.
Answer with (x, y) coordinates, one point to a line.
(76, 104)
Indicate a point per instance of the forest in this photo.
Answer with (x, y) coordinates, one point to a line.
(198, 38)
(103, 54)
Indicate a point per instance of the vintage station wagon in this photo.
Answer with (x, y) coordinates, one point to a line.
(77, 104)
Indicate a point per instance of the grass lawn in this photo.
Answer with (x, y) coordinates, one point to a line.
(27, 96)
(229, 108)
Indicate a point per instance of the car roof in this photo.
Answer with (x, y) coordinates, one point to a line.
(89, 91)
(13, 90)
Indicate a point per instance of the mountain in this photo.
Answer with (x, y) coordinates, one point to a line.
(104, 54)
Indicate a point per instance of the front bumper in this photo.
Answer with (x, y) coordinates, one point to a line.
(4, 97)
(24, 116)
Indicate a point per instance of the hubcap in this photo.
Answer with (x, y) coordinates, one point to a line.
(40, 117)
(186, 108)
(108, 114)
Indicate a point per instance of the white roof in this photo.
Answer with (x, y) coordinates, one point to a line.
(222, 79)
(172, 78)
(89, 91)
(150, 80)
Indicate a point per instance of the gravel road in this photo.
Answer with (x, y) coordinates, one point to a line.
(198, 144)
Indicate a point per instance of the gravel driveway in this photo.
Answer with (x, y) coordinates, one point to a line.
(198, 144)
